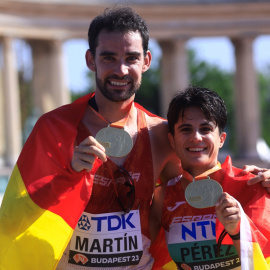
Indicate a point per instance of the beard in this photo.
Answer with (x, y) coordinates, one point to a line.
(117, 95)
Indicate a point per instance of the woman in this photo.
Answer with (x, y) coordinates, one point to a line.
(211, 217)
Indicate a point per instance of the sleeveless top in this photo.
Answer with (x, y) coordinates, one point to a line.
(191, 235)
(103, 198)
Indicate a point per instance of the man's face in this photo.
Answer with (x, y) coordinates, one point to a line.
(196, 141)
(119, 63)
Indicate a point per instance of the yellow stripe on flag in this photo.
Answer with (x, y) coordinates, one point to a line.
(169, 266)
(268, 262)
(259, 261)
(30, 237)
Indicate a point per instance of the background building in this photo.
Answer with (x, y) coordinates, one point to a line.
(46, 24)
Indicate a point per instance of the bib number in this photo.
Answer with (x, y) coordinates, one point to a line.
(107, 240)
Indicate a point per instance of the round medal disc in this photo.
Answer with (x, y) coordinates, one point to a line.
(116, 141)
(203, 193)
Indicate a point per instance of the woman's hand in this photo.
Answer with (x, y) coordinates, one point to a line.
(228, 213)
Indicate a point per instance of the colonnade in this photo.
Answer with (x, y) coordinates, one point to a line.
(48, 88)
(50, 91)
(246, 93)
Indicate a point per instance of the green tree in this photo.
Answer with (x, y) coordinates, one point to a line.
(148, 95)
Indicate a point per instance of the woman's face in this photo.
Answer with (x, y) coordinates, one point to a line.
(196, 141)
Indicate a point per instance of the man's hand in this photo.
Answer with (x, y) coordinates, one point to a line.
(228, 213)
(263, 176)
(85, 154)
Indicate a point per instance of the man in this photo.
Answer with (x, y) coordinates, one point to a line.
(95, 161)
(119, 55)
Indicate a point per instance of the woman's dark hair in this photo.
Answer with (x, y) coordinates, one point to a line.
(208, 101)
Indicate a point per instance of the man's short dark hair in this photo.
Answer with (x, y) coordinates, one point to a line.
(209, 102)
(117, 19)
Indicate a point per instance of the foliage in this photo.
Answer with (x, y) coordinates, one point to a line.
(148, 95)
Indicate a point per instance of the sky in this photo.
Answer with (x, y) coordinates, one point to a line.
(217, 50)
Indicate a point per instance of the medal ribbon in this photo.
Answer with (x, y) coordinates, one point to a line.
(118, 124)
(204, 175)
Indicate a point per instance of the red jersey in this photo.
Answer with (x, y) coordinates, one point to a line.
(103, 200)
(139, 164)
(191, 233)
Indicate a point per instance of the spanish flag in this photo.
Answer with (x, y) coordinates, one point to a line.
(255, 253)
(44, 197)
(254, 246)
(254, 203)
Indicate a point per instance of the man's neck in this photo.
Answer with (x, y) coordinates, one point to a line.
(113, 111)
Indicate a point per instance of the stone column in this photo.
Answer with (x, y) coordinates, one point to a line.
(60, 90)
(174, 66)
(2, 122)
(248, 125)
(12, 117)
(49, 87)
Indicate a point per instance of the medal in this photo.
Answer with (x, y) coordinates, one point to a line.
(203, 193)
(116, 141)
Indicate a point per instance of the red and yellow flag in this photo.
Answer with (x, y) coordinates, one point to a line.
(254, 203)
(254, 245)
(44, 197)
(160, 253)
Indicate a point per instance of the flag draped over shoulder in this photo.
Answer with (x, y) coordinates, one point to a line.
(44, 197)
(254, 204)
